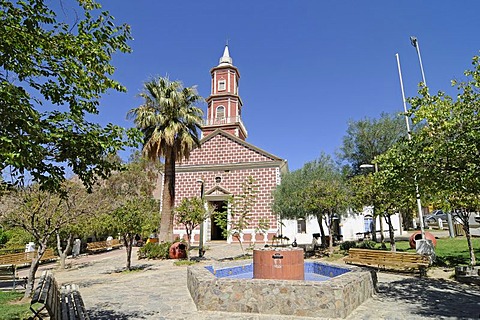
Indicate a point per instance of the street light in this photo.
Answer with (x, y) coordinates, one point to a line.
(200, 243)
(415, 43)
(409, 133)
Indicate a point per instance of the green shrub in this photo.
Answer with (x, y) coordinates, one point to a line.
(347, 245)
(17, 237)
(154, 250)
(3, 237)
(367, 244)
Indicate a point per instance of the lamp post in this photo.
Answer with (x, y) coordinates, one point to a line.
(415, 43)
(409, 133)
(200, 241)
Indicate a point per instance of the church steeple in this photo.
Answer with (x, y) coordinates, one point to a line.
(226, 56)
(224, 103)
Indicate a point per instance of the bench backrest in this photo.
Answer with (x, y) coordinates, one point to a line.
(387, 255)
(61, 303)
(47, 293)
(25, 257)
(8, 271)
(103, 244)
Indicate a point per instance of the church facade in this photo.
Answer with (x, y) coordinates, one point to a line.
(225, 161)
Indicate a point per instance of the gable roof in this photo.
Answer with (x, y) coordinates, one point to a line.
(212, 155)
(241, 142)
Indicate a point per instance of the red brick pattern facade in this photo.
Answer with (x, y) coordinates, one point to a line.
(225, 160)
(221, 149)
(233, 161)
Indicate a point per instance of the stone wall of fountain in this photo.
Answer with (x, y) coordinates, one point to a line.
(334, 298)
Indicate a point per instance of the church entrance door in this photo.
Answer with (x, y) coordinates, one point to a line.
(216, 230)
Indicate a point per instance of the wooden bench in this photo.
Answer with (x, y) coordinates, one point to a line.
(60, 303)
(388, 260)
(100, 246)
(25, 258)
(8, 273)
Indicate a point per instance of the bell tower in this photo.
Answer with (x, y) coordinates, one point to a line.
(224, 104)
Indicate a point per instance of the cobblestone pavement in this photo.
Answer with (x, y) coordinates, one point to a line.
(158, 290)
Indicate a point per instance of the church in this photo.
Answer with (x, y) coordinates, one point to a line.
(225, 160)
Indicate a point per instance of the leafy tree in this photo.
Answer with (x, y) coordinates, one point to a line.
(131, 209)
(317, 189)
(446, 150)
(52, 74)
(241, 209)
(169, 121)
(81, 206)
(42, 214)
(130, 219)
(191, 213)
(367, 139)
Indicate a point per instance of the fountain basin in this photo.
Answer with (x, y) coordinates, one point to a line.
(214, 289)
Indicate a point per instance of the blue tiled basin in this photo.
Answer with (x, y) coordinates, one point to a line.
(314, 271)
(333, 291)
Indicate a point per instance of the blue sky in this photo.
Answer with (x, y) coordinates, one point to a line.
(307, 67)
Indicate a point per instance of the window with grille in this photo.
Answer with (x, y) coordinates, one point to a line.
(221, 85)
(301, 226)
(220, 113)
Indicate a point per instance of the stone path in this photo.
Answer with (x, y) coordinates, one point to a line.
(157, 290)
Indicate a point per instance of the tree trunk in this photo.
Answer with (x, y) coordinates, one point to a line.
(466, 228)
(382, 236)
(328, 222)
(128, 242)
(464, 216)
(168, 199)
(374, 228)
(63, 254)
(391, 233)
(322, 231)
(29, 288)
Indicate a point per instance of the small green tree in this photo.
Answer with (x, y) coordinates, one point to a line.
(241, 209)
(190, 213)
(131, 207)
(318, 189)
(367, 139)
(129, 219)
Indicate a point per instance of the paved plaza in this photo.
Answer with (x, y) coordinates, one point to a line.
(158, 290)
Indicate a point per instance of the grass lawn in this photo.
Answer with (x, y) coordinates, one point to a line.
(11, 308)
(450, 251)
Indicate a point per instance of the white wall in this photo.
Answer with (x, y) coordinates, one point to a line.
(350, 225)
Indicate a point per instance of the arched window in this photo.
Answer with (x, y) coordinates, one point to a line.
(220, 114)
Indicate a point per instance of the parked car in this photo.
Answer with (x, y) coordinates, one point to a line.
(433, 218)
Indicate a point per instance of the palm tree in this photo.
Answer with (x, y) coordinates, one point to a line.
(169, 122)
